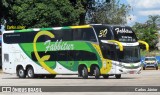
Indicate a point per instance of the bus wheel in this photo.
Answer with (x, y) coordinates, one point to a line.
(118, 76)
(21, 72)
(96, 72)
(144, 68)
(50, 76)
(84, 73)
(157, 68)
(41, 76)
(30, 72)
(105, 76)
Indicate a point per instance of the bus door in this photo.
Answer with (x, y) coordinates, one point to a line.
(109, 52)
(113, 54)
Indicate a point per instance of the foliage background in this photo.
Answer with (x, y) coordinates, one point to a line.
(52, 13)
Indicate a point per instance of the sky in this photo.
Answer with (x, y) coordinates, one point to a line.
(141, 9)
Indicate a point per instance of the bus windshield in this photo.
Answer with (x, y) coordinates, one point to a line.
(129, 55)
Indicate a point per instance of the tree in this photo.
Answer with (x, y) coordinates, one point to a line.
(86, 5)
(49, 13)
(148, 31)
(111, 12)
(153, 20)
(3, 11)
(42, 13)
(102, 11)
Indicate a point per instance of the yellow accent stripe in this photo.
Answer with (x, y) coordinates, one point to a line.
(118, 43)
(82, 26)
(88, 69)
(46, 57)
(145, 43)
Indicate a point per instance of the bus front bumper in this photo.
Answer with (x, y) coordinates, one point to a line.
(129, 71)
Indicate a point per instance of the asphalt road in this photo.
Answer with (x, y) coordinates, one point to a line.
(146, 78)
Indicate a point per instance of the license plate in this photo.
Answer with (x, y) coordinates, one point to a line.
(131, 72)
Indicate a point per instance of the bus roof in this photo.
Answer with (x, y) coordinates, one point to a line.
(53, 28)
(110, 25)
(65, 27)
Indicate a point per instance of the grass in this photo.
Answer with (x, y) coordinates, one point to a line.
(150, 53)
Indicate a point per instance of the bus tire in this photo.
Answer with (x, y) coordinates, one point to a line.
(50, 76)
(118, 76)
(30, 72)
(84, 73)
(105, 76)
(41, 76)
(144, 68)
(157, 68)
(21, 72)
(96, 72)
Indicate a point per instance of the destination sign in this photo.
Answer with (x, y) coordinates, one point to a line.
(122, 30)
(124, 34)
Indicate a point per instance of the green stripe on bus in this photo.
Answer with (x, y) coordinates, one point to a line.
(24, 30)
(46, 29)
(67, 27)
(95, 51)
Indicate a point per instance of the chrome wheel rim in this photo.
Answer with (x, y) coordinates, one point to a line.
(30, 73)
(21, 72)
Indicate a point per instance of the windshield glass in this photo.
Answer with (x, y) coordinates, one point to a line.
(150, 59)
(119, 33)
(130, 54)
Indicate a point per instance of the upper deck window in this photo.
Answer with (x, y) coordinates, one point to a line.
(80, 34)
(103, 32)
(122, 34)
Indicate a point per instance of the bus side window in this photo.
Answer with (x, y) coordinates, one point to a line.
(113, 55)
(108, 52)
(58, 34)
(76, 34)
(67, 35)
(62, 56)
(88, 35)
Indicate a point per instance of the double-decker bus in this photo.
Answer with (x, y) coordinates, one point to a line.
(87, 50)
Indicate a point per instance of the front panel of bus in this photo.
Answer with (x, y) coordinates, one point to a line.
(123, 61)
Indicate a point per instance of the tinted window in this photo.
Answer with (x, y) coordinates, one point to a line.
(72, 55)
(64, 35)
(18, 37)
(103, 32)
(86, 34)
(24, 37)
(130, 54)
(109, 51)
